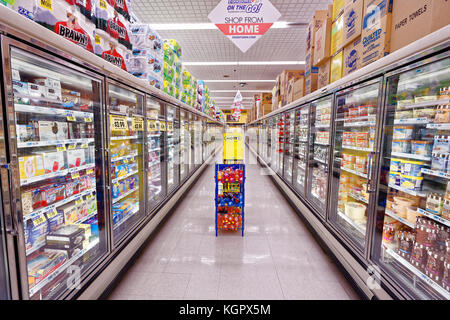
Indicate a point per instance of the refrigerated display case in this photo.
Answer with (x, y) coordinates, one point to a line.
(354, 147)
(197, 140)
(274, 143)
(280, 143)
(289, 131)
(185, 144)
(126, 130)
(191, 134)
(411, 240)
(55, 145)
(319, 147)
(156, 129)
(301, 148)
(173, 148)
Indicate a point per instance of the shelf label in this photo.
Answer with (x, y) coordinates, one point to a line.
(84, 146)
(118, 123)
(89, 171)
(170, 126)
(137, 124)
(40, 219)
(60, 148)
(47, 4)
(52, 213)
(71, 118)
(78, 202)
(162, 126)
(75, 175)
(125, 160)
(71, 147)
(87, 119)
(151, 126)
(97, 37)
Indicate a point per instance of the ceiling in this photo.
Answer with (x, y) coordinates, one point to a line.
(284, 44)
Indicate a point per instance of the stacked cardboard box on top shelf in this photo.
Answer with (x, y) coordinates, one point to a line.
(290, 86)
(262, 104)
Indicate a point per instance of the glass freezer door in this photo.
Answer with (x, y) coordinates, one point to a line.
(57, 138)
(156, 188)
(319, 147)
(198, 141)
(354, 146)
(126, 140)
(4, 277)
(275, 142)
(289, 145)
(184, 144)
(191, 142)
(301, 148)
(411, 240)
(173, 148)
(280, 144)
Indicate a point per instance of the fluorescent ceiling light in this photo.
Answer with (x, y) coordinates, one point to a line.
(203, 26)
(239, 81)
(242, 63)
(241, 90)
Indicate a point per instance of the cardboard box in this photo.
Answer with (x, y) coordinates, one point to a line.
(376, 33)
(330, 12)
(298, 89)
(266, 98)
(267, 108)
(54, 162)
(353, 17)
(324, 74)
(337, 33)
(311, 83)
(322, 43)
(336, 66)
(31, 166)
(338, 7)
(286, 76)
(414, 19)
(290, 91)
(352, 57)
(316, 22)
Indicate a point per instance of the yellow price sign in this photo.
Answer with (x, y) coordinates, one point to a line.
(52, 213)
(39, 220)
(125, 160)
(47, 4)
(97, 38)
(89, 171)
(162, 126)
(75, 175)
(87, 119)
(151, 126)
(233, 146)
(137, 124)
(60, 148)
(170, 126)
(71, 147)
(118, 123)
(78, 202)
(88, 197)
(84, 146)
(71, 118)
(103, 4)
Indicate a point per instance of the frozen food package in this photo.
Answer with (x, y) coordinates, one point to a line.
(76, 158)
(31, 166)
(54, 162)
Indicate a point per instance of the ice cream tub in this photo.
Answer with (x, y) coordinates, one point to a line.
(396, 165)
(394, 178)
(356, 211)
(411, 183)
(422, 148)
(401, 146)
(412, 168)
(403, 132)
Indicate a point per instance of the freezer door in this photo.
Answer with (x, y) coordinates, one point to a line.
(275, 142)
(289, 145)
(184, 144)
(191, 142)
(355, 143)
(173, 147)
(301, 148)
(280, 142)
(411, 236)
(56, 149)
(319, 148)
(126, 133)
(5, 293)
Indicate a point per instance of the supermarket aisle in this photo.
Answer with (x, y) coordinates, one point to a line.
(277, 259)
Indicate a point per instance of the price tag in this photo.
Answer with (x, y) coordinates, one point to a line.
(170, 126)
(118, 123)
(46, 4)
(125, 160)
(88, 197)
(137, 124)
(60, 148)
(78, 202)
(162, 126)
(71, 118)
(151, 126)
(97, 37)
(71, 147)
(52, 213)
(103, 4)
(89, 171)
(87, 119)
(39, 220)
(75, 175)
(84, 146)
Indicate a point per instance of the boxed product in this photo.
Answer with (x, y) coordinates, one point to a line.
(31, 200)
(352, 57)
(322, 43)
(298, 88)
(52, 130)
(316, 22)
(353, 17)
(35, 90)
(41, 264)
(324, 74)
(67, 236)
(414, 19)
(76, 158)
(52, 194)
(25, 132)
(336, 66)
(338, 8)
(311, 83)
(20, 87)
(54, 162)
(337, 33)
(70, 213)
(31, 166)
(376, 33)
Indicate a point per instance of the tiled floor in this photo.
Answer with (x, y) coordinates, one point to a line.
(276, 259)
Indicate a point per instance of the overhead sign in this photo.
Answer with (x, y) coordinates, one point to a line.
(244, 21)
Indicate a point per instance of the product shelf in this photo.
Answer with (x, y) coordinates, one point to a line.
(128, 157)
(355, 172)
(58, 174)
(321, 161)
(436, 173)
(412, 121)
(91, 215)
(358, 197)
(360, 124)
(359, 228)
(114, 181)
(123, 138)
(396, 217)
(423, 104)
(439, 126)
(125, 195)
(410, 156)
(25, 108)
(434, 217)
(321, 143)
(154, 149)
(32, 144)
(411, 192)
(357, 148)
(418, 273)
(321, 126)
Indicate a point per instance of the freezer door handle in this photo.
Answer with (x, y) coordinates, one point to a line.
(369, 173)
(10, 224)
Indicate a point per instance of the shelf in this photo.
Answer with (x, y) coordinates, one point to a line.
(412, 121)
(53, 206)
(63, 267)
(434, 217)
(439, 174)
(123, 138)
(411, 192)
(321, 144)
(358, 197)
(52, 111)
(352, 223)
(154, 149)
(321, 126)
(125, 195)
(321, 161)
(430, 103)
(35, 248)
(357, 148)
(114, 181)
(439, 126)
(402, 220)
(410, 156)
(360, 124)
(355, 172)
(32, 144)
(418, 273)
(154, 136)
(129, 215)
(131, 156)
(80, 221)
(58, 174)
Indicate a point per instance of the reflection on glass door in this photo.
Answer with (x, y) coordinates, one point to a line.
(184, 144)
(156, 189)
(289, 145)
(173, 148)
(197, 140)
(301, 148)
(59, 173)
(280, 142)
(319, 146)
(275, 142)
(126, 140)
(353, 154)
(411, 241)
(192, 144)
